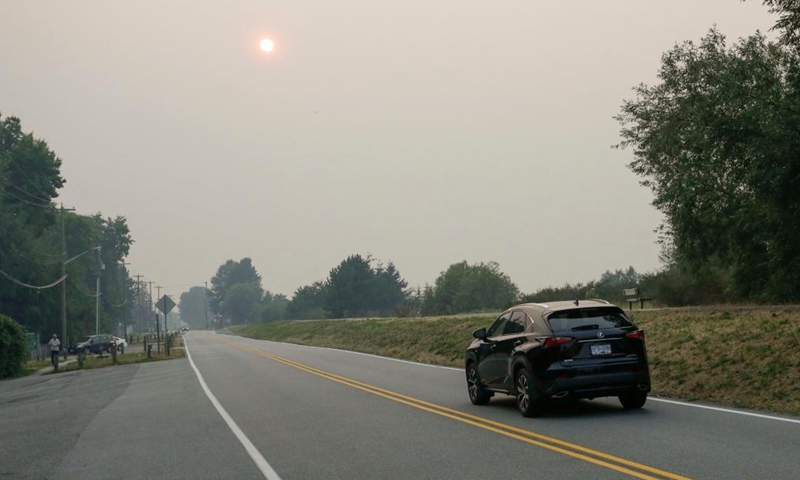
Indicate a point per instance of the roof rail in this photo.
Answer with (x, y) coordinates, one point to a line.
(600, 300)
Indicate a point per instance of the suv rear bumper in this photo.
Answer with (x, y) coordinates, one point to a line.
(597, 385)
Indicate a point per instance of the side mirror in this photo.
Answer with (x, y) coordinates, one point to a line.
(480, 333)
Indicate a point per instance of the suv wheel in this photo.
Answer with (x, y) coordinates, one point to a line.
(527, 400)
(633, 399)
(477, 394)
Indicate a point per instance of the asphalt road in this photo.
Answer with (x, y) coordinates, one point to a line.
(310, 413)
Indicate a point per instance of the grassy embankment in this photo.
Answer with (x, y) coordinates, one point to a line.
(740, 356)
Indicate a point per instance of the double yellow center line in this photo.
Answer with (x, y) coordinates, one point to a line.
(601, 459)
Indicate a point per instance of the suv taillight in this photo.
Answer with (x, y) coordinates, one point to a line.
(555, 341)
(638, 334)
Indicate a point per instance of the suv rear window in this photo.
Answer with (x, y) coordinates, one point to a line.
(587, 318)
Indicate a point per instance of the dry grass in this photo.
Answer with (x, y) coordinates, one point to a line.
(740, 356)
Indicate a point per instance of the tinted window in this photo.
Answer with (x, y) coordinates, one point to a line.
(498, 326)
(516, 324)
(587, 318)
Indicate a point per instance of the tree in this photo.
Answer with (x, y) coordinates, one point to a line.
(390, 289)
(350, 287)
(30, 244)
(12, 347)
(717, 143)
(231, 273)
(242, 302)
(356, 288)
(788, 23)
(308, 302)
(273, 307)
(192, 305)
(467, 288)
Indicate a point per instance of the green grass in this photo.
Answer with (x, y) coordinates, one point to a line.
(740, 356)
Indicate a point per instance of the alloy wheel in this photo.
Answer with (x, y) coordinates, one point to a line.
(523, 400)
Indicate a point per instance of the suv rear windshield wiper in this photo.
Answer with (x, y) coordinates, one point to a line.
(586, 327)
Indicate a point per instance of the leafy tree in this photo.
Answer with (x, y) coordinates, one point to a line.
(350, 287)
(192, 305)
(242, 302)
(788, 23)
(273, 307)
(12, 347)
(31, 250)
(356, 288)
(231, 273)
(717, 142)
(308, 302)
(468, 288)
(389, 290)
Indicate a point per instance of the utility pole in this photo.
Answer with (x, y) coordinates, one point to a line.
(64, 340)
(151, 299)
(100, 267)
(158, 328)
(124, 300)
(139, 302)
(205, 298)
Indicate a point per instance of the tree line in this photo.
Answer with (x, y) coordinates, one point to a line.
(717, 140)
(36, 237)
(361, 286)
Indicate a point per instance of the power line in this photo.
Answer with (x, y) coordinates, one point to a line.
(18, 282)
(28, 202)
(38, 262)
(28, 193)
(80, 289)
(185, 285)
(8, 182)
(20, 170)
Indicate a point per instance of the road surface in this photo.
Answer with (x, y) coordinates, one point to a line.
(248, 409)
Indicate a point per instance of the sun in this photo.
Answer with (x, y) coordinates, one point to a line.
(266, 45)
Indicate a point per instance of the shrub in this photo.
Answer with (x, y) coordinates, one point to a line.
(12, 347)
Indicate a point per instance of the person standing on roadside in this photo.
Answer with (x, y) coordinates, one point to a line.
(55, 347)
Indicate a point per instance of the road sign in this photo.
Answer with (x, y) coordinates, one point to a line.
(165, 304)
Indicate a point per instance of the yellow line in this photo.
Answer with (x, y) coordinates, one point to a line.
(486, 424)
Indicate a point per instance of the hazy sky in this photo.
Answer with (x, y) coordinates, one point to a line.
(423, 133)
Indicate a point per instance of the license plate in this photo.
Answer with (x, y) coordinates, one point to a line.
(601, 349)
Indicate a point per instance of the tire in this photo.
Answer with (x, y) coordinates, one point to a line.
(528, 402)
(477, 394)
(633, 400)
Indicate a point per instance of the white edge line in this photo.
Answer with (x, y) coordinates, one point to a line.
(258, 459)
(726, 410)
(655, 399)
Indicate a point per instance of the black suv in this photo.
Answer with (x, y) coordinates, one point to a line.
(537, 352)
(95, 344)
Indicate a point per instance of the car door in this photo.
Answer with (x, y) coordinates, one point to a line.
(487, 370)
(513, 336)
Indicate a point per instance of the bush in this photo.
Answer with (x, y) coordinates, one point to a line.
(12, 347)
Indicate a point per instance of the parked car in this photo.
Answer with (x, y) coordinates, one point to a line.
(120, 343)
(95, 344)
(560, 350)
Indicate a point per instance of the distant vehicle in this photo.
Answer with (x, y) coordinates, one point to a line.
(120, 343)
(95, 344)
(542, 351)
(185, 329)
